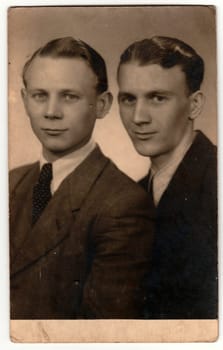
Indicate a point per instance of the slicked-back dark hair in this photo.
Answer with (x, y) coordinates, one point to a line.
(167, 52)
(69, 47)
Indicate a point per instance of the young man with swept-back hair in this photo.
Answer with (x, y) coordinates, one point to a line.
(159, 99)
(79, 227)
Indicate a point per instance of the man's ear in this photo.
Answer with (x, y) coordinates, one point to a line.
(104, 103)
(197, 100)
(24, 98)
(24, 95)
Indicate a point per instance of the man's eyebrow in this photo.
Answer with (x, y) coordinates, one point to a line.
(68, 90)
(123, 93)
(149, 92)
(158, 92)
(36, 90)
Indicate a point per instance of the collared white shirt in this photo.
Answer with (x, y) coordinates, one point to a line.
(163, 176)
(63, 166)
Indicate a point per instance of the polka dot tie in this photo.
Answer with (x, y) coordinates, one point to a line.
(41, 192)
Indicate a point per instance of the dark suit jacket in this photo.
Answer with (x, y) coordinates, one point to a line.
(87, 254)
(183, 279)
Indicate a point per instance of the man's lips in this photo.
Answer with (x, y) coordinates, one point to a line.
(53, 132)
(144, 135)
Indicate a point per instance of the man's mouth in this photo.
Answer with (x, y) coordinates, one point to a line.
(144, 135)
(54, 132)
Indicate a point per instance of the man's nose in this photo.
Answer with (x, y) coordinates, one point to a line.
(53, 109)
(142, 113)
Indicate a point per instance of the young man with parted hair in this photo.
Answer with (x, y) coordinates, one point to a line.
(80, 232)
(159, 98)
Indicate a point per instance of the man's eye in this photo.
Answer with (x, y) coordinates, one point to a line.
(159, 98)
(39, 96)
(127, 100)
(70, 97)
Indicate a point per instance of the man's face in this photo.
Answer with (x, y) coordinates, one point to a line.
(61, 101)
(154, 107)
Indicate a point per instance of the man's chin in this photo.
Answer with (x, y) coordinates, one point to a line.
(53, 153)
(142, 150)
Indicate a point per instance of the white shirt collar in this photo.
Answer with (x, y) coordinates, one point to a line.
(63, 166)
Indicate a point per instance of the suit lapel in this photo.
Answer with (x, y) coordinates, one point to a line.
(188, 176)
(144, 182)
(48, 232)
(54, 224)
(20, 207)
(84, 177)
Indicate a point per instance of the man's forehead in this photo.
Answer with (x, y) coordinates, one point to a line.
(48, 61)
(150, 76)
(151, 68)
(60, 69)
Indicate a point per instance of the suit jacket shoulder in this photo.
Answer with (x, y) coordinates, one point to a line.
(17, 175)
(121, 189)
(195, 177)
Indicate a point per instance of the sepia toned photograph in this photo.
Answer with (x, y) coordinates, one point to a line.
(113, 174)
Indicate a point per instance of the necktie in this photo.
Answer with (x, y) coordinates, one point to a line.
(41, 192)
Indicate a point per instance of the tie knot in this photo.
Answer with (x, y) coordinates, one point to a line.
(46, 173)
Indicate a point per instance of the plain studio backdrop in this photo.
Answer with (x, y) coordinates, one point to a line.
(109, 30)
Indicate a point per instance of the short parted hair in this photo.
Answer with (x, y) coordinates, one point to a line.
(167, 52)
(69, 47)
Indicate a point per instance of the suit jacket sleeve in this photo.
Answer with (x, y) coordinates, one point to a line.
(121, 244)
